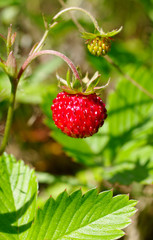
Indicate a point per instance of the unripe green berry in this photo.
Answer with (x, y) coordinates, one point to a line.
(99, 46)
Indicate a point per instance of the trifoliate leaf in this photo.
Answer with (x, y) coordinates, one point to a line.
(91, 216)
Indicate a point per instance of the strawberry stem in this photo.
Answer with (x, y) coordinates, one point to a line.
(48, 52)
(78, 9)
(9, 118)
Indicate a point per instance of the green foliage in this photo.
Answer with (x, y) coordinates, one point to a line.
(18, 192)
(131, 129)
(92, 216)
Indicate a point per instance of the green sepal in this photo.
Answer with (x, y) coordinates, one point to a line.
(112, 33)
(76, 85)
(68, 78)
(87, 35)
(93, 82)
(61, 82)
(84, 86)
(68, 90)
(99, 89)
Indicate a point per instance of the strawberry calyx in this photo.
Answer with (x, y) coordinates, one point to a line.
(85, 86)
(101, 33)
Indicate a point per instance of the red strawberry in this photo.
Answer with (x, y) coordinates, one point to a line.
(78, 111)
(78, 115)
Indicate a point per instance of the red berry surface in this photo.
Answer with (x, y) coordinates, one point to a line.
(78, 115)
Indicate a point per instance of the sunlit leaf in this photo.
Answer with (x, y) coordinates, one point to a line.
(18, 191)
(91, 216)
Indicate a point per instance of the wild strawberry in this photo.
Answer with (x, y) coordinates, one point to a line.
(77, 110)
(78, 115)
(99, 43)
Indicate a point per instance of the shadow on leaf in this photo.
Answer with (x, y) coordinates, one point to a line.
(139, 173)
(8, 219)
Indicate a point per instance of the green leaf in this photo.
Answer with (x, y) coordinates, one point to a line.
(130, 114)
(91, 216)
(18, 190)
(130, 130)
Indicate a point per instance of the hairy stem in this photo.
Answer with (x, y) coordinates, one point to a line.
(9, 119)
(78, 25)
(128, 77)
(81, 10)
(48, 52)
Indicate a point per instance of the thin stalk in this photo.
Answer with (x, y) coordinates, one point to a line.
(9, 119)
(78, 25)
(48, 52)
(128, 77)
(81, 10)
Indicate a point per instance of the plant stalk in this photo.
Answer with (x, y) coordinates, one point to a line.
(81, 10)
(48, 52)
(9, 118)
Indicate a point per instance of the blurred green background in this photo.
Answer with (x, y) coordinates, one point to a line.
(120, 155)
